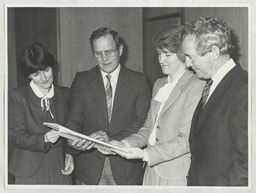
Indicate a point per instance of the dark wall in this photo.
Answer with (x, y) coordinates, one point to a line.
(34, 25)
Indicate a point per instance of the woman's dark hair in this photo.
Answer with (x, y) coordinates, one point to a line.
(35, 58)
(171, 39)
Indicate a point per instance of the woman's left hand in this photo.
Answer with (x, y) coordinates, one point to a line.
(51, 136)
(69, 165)
(134, 153)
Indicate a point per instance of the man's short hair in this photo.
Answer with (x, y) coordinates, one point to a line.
(210, 32)
(103, 31)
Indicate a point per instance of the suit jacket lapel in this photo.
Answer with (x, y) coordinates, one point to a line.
(217, 95)
(99, 92)
(156, 104)
(56, 105)
(176, 91)
(122, 91)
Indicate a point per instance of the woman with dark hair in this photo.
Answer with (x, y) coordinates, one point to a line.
(38, 156)
(166, 130)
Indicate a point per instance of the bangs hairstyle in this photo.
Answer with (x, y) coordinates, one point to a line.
(35, 58)
(210, 32)
(171, 39)
(103, 31)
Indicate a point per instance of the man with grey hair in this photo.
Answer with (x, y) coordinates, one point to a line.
(219, 130)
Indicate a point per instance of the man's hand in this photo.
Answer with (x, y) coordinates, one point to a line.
(101, 136)
(104, 150)
(81, 144)
(119, 144)
(69, 165)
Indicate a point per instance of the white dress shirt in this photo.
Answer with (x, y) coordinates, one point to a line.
(219, 75)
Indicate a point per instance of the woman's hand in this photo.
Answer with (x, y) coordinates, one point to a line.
(134, 153)
(51, 136)
(69, 165)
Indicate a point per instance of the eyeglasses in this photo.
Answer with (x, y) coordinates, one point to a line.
(108, 53)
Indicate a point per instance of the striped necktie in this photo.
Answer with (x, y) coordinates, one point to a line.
(108, 90)
(205, 93)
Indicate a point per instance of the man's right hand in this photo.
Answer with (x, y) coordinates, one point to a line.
(119, 144)
(81, 144)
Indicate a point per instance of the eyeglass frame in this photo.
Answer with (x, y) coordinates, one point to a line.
(111, 54)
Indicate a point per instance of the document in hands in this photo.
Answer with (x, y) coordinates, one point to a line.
(69, 134)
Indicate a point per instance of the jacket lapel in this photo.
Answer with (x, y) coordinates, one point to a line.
(176, 91)
(99, 92)
(212, 104)
(122, 91)
(56, 105)
(156, 104)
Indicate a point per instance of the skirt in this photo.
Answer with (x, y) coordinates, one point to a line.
(152, 178)
(50, 170)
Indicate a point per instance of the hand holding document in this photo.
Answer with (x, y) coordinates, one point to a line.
(131, 153)
(72, 135)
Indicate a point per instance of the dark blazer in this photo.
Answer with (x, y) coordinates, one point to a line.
(88, 114)
(219, 135)
(27, 131)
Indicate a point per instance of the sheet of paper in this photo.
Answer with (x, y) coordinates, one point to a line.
(69, 134)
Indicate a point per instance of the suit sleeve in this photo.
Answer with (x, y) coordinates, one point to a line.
(237, 174)
(179, 145)
(142, 107)
(17, 127)
(76, 114)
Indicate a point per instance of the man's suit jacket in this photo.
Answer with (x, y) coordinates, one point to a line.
(88, 114)
(26, 129)
(170, 155)
(219, 138)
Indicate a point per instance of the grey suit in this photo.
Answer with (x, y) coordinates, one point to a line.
(170, 156)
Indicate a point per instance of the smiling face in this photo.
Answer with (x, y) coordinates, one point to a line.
(43, 79)
(101, 47)
(170, 63)
(202, 65)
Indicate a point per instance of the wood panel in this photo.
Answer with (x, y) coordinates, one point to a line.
(236, 18)
(159, 11)
(76, 26)
(35, 25)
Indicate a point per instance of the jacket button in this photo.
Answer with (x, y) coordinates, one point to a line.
(156, 139)
(157, 127)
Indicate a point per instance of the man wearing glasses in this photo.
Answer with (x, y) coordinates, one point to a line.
(107, 102)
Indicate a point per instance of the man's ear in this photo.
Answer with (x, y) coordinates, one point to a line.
(121, 47)
(215, 53)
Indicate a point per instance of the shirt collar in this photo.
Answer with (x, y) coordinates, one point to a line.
(38, 93)
(114, 74)
(175, 80)
(217, 77)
